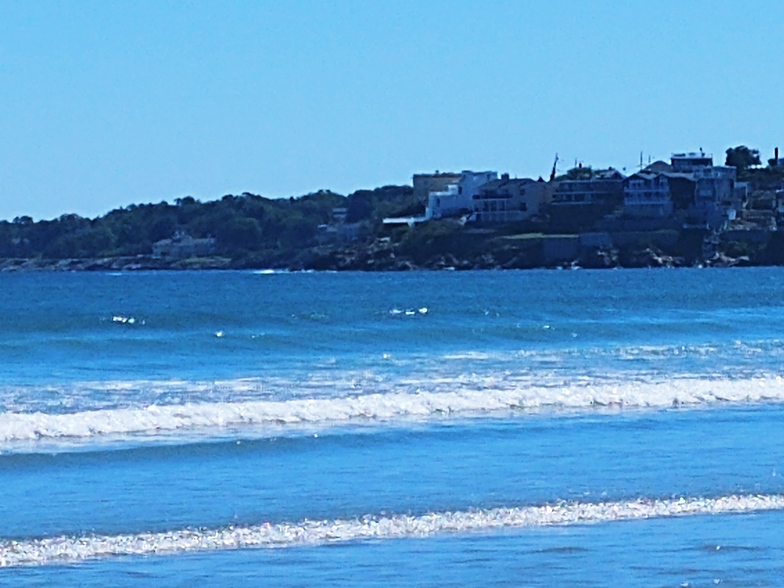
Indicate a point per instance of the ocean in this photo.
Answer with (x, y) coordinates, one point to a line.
(519, 428)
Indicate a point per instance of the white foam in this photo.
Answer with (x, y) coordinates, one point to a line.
(71, 549)
(269, 272)
(486, 396)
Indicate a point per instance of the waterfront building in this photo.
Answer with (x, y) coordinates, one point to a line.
(436, 182)
(647, 195)
(690, 162)
(715, 200)
(457, 198)
(578, 204)
(508, 200)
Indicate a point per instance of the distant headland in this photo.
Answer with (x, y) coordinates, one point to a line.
(682, 212)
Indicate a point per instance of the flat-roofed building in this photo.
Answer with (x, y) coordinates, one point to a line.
(456, 198)
(690, 162)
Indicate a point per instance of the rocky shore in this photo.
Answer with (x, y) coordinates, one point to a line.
(378, 256)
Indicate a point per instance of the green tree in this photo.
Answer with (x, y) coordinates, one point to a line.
(162, 228)
(741, 157)
(240, 233)
(577, 173)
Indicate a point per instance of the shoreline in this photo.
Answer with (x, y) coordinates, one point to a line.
(148, 263)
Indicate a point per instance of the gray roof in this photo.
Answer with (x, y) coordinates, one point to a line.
(608, 174)
(644, 175)
(501, 183)
(658, 167)
(682, 175)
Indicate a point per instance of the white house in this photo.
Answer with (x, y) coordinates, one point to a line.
(458, 197)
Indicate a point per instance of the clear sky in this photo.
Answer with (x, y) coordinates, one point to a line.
(108, 103)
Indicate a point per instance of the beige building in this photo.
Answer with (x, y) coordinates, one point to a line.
(507, 201)
(437, 182)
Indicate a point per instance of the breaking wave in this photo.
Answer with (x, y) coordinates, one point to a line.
(210, 418)
(71, 549)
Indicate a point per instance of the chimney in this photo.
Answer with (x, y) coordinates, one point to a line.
(505, 177)
(776, 154)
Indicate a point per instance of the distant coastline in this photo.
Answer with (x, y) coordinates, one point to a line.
(686, 213)
(383, 256)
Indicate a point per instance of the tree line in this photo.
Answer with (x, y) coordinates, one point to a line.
(240, 225)
(249, 225)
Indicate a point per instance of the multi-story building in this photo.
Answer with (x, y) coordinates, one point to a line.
(604, 187)
(647, 195)
(437, 182)
(578, 204)
(456, 198)
(690, 162)
(511, 200)
(714, 196)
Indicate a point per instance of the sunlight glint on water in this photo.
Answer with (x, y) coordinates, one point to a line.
(516, 408)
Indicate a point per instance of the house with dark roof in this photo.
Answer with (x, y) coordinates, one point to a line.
(508, 200)
(604, 187)
(182, 245)
(579, 203)
(657, 167)
(647, 195)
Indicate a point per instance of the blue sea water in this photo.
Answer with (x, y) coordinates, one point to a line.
(531, 428)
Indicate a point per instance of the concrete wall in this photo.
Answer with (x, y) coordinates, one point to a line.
(595, 241)
(755, 236)
(664, 238)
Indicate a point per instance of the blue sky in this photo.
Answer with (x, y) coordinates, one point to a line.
(106, 104)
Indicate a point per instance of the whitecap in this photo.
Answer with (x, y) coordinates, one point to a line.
(71, 549)
(457, 397)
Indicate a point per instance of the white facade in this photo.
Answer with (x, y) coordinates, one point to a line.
(458, 198)
(444, 202)
(470, 182)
